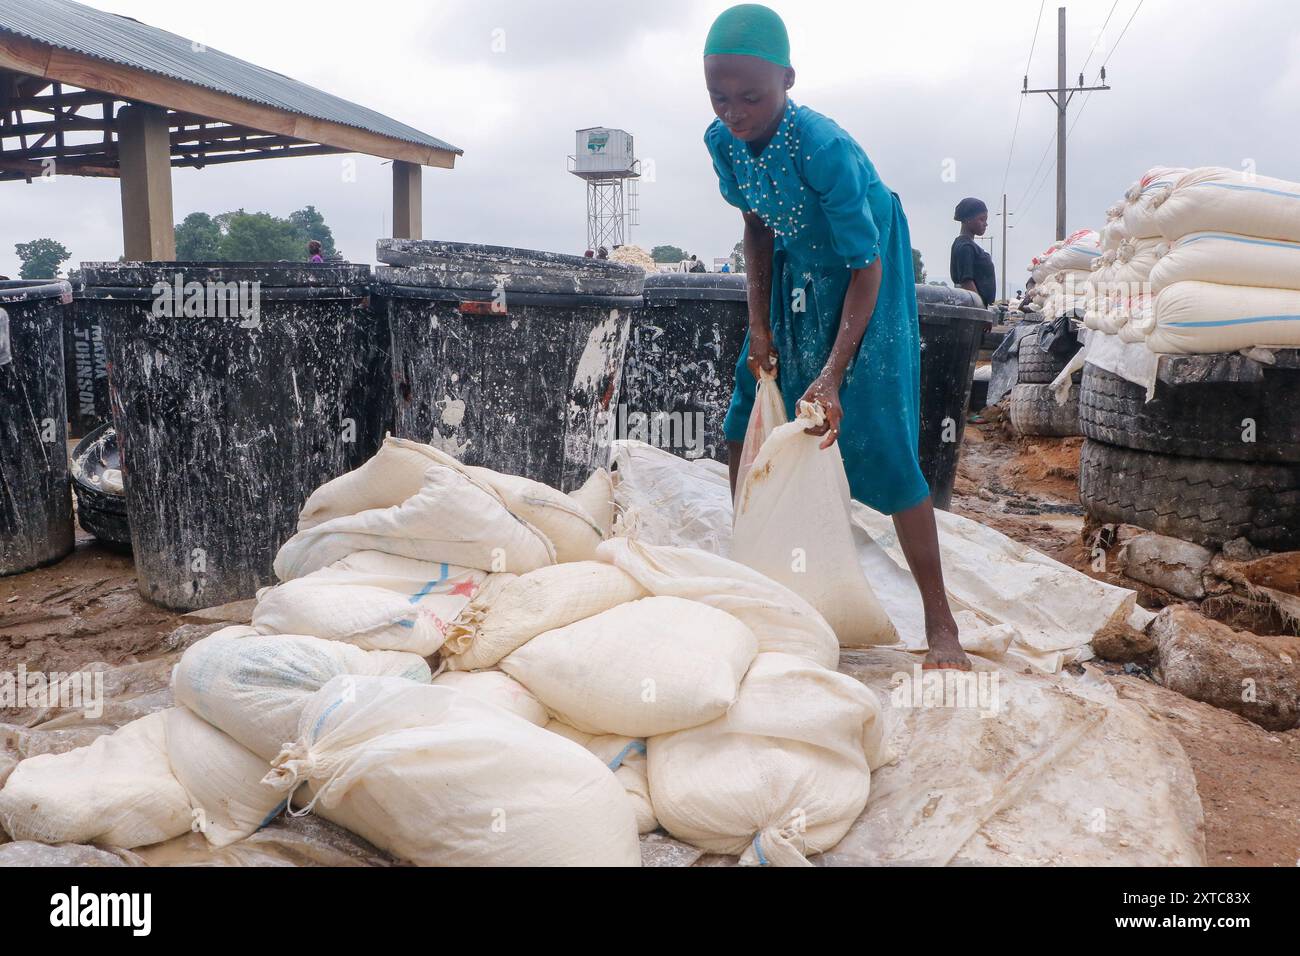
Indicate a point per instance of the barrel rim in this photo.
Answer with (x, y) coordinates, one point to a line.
(126, 293)
(561, 300)
(14, 291)
(666, 288)
(450, 250)
(322, 274)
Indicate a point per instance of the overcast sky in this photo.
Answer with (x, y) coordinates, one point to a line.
(927, 86)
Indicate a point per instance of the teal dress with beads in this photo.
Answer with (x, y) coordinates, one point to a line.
(816, 189)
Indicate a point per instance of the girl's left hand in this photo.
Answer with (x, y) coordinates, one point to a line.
(825, 391)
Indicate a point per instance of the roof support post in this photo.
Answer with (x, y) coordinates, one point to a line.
(407, 198)
(144, 151)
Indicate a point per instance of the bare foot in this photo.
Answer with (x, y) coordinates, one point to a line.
(945, 651)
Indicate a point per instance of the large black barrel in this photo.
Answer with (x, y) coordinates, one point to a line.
(236, 389)
(508, 358)
(953, 322)
(35, 492)
(86, 361)
(681, 360)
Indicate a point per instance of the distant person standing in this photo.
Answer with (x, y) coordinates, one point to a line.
(726, 267)
(314, 251)
(970, 266)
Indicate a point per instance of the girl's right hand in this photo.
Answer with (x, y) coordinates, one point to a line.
(762, 356)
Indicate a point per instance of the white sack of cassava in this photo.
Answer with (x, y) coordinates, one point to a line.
(571, 529)
(792, 524)
(254, 687)
(1204, 317)
(497, 688)
(1143, 197)
(626, 759)
(438, 777)
(782, 775)
(1229, 200)
(780, 619)
(374, 600)
(1229, 259)
(645, 667)
(119, 791)
(412, 501)
(511, 610)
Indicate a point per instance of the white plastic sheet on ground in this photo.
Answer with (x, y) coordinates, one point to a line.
(1063, 773)
(1005, 595)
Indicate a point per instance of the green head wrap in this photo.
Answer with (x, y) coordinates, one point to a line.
(750, 29)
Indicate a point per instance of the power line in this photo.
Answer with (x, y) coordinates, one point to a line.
(1027, 205)
(1033, 178)
(1100, 33)
(1121, 34)
(1016, 129)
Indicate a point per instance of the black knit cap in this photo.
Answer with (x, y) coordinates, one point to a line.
(969, 208)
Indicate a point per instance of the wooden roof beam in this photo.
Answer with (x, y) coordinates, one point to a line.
(88, 73)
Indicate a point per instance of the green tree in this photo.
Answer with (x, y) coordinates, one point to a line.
(259, 237)
(667, 254)
(198, 238)
(918, 266)
(310, 224)
(738, 252)
(41, 258)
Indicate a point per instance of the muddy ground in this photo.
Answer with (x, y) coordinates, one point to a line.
(86, 609)
(1248, 777)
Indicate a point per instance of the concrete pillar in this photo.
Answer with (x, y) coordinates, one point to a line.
(407, 197)
(144, 153)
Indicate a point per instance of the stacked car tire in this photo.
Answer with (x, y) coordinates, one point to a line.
(1207, 462)
(1033, 408)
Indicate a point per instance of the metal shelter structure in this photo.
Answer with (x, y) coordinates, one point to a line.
(89, 93)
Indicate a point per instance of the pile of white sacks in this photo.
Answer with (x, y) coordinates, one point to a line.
(1200, 261)
(1061, 273)
(465, 668)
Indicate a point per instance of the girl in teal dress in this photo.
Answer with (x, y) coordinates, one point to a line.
(832, 299)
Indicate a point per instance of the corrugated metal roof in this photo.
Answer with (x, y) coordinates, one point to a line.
(117, 39)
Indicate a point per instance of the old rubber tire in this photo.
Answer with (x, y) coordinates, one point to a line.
(1035, 411)
(1196, 499)
(1038, 366)
(1195, 420)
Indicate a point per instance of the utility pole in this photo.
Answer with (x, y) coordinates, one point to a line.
(1061, 96)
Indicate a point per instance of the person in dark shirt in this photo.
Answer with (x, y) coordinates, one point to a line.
(971, 266)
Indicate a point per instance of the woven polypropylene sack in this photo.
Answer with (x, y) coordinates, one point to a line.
(645, 667)
(782, 775)
(438, 777)
(504, 617)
